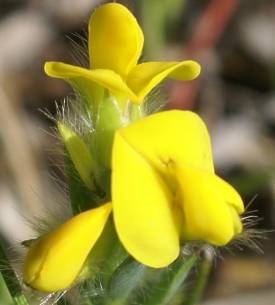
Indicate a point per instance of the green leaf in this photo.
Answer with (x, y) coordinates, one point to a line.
(5, 297)
(11, 280)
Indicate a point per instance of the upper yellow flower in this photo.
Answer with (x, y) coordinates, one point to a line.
(115, 45)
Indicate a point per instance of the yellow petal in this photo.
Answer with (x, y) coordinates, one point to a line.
(54, 261)
(142, 208)
(144, 77)
(238, 226)
(115, 39)
(234, 201)
(231, 196)
(207, 216)
(171, 137)
(103, 77)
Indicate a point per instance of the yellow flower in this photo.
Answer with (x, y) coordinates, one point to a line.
(54, 260)
(164, 188)
(115, 45)
(164, 192)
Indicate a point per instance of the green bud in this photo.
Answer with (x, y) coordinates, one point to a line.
(79, 154)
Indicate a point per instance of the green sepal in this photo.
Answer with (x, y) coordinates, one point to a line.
(107, 254)
(136, 112)
(89, 93)
(79, 154)
(110, 116)
(81, 197)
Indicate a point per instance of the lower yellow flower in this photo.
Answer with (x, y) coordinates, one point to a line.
(164, 190)
(54, 261)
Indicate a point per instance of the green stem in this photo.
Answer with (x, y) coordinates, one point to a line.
(171, 282)
(12, 281)
(124, 281)
(200, 283)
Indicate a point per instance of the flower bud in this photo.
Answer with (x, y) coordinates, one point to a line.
(55, 260)
(79, 154)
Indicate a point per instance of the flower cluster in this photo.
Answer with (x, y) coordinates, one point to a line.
(164, 190)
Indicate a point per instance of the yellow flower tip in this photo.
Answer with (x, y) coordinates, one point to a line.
(195, 69)
(55, 260)
(206, 214)
(48, 68)
(61, 70)
(210, 207)
(185, 70)
(52, 69)
(115, 39)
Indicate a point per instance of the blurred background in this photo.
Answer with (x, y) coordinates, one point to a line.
(234, 42)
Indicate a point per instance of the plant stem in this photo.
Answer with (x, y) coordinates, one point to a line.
(203, 273)
(126, 278)
(170, 284)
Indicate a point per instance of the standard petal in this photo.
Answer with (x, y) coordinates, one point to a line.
(142, 207)
(144, 77)
(206, 214)
(103, 77)
(115, 39)
(171, 138)
(54, 261)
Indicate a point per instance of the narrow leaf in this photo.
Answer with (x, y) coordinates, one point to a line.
(11, 280)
